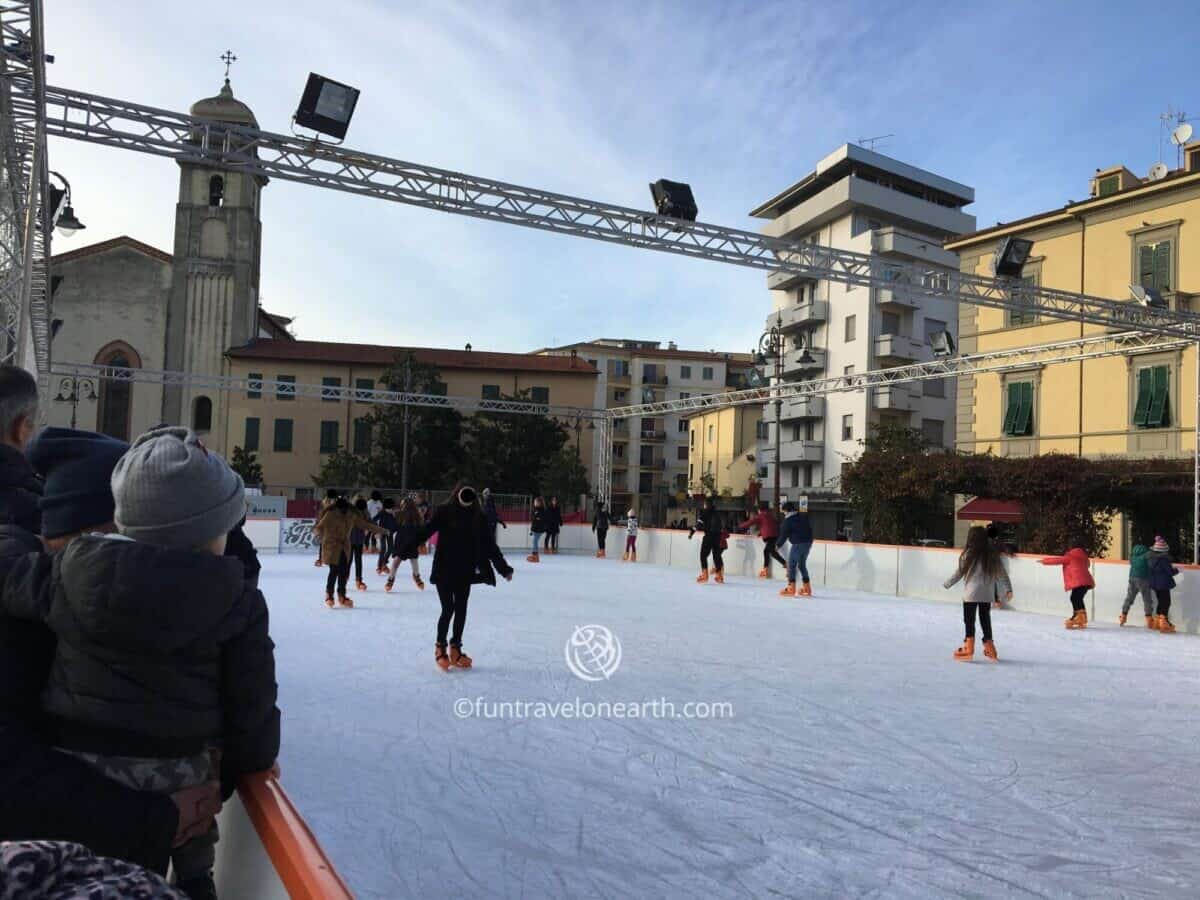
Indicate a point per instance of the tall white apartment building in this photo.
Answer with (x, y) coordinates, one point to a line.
(858, 200)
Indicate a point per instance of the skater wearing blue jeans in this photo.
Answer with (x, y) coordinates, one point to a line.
(797, 529)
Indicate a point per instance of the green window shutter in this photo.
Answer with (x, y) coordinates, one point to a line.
(250, 445)
(1012, 404)
(1024, 423)
(1162, 265)
(329, 437)
(1141, 410)
(1146, 265)
(1158, 398)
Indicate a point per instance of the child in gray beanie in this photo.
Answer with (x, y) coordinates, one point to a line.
(164, 664)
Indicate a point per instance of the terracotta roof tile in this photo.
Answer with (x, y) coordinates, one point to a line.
(113, 244)
(601, 349)
(381, 355)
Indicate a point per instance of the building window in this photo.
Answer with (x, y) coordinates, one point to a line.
(933, 430)
(685, 371)
(1153, 406)
(283, 436)
(691, 473)
(706, 374)
(761, 430)
(216, 191)
(680, 482)
(934, 387)
(1154, 266)
(692, 440)
(708, 467)
(645, 483)
(362, 389)
(540, 394)
(362, 437)
(810, 430)
(889, 323)
(794, 473)
(684, 395)
(683, 426)
(849, 370)
(808, 474)
(646, 455)
(1016, 318)
(285, 389)
(491, 392)
(254, 385)
(618, 451)
(201, 414)
(796, 431)
(435, 388)
(851, 327)
(331, 388)
(329, 437)
(848, 428)
(619, 396)
(681, 452)
(618, 368)
(250, 443)
(116, 389)
(1018, 409)
(710, 434)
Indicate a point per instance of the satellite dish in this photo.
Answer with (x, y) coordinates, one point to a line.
(1181, 135)
(1158, 171)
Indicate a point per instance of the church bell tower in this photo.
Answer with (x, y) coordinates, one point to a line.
(213, 303)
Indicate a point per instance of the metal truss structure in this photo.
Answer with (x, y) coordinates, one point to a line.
(24, 188)
(323, 392)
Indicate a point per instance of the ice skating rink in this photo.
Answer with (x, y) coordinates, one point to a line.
(861, 760)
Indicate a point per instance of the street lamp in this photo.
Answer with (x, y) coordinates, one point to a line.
(771, 348)
(62, 214)
(576, 424)
(72, 389)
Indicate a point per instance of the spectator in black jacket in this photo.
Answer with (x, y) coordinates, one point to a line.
(19, 484)
(48, 795)
(600, 526)
(164, 662)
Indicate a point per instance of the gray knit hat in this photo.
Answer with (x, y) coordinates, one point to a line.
(170, 490)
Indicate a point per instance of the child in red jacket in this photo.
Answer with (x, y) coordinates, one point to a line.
(1077, 578)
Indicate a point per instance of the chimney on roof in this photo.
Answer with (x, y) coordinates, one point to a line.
(468, 347)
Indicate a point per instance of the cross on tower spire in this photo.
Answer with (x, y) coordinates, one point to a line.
(229, 59)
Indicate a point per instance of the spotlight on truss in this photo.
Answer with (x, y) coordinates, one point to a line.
(674, 199)
(1147, 296)
(942, 343)
(1011, 257)
(326, 106)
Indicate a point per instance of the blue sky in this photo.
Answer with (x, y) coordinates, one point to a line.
(1020, 100)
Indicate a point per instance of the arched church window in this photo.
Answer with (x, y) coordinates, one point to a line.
(116, 389)
(216, 190)
(202, 415)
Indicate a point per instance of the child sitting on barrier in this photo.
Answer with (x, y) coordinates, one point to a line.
(164, 668)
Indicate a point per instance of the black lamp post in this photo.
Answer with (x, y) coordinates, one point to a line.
(72, 389)
(62, 213)
(771, 348)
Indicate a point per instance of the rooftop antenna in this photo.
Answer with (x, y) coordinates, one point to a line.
(870, 142)
(1172, 120)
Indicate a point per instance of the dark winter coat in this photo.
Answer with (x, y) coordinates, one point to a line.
(601, 522)
(1139, 564)
(20, 490)
(242, 549)
(387, 521)
(796, 528)
(491, 513)
(26, 648)
(553, 519)
(709, 521)
(765, 521)
(1162, 573)
(539, 522)
(406, 545)
(466, 553)
(160, 652)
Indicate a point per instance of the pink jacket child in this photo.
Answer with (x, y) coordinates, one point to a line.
(1077, 578)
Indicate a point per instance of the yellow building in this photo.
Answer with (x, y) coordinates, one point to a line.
(1130, 232)
(293, 435)
(723, 445)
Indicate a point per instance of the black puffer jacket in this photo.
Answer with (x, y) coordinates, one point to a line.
(20, 490)
(465, 551)
(160, 652)
(553, 519)
(26, 647)
(539, 521)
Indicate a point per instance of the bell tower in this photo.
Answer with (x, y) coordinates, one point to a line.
(213, 303)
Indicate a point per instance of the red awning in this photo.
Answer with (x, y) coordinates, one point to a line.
(982, 509)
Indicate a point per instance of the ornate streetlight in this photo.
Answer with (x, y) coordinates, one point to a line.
(771, 349)
(72, 389)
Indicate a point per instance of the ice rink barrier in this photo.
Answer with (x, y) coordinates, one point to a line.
(916, 572)
(267, 852)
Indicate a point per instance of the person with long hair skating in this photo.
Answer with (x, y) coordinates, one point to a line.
(327, 501)
(600, 526)
(768, 530)
(981, 569)
(465, 555)
(1077, 578)
(708, 521)
(334, 529)
(358, 541)
(538, 523)
(553, 525)
(405, 545)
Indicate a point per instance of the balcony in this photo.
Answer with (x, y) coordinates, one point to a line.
(618, 379)
(896, 299)
(801, 408)
(784, 280)
(898, 348)
(655, 380)
(801, 451)
(799, 315)
(793, 361)
(896, 397)
(620, 464)
(656, 437)
(653, 465)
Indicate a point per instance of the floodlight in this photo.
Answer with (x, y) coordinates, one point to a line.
(942, 343)
(326, 106)
(806, 358)
(674, 199)
(1147, 296)
(1011, 257)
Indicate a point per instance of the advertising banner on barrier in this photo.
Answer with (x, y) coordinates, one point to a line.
(296, 535)
(266, 507)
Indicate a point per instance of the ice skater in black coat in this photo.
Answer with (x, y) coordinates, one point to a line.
(465, 555)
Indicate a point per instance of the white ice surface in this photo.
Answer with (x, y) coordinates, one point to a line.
(862, 761)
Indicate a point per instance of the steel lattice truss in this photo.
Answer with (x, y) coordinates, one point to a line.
(324, 392)
(24, 217)
(1126, 344)
(132, 126)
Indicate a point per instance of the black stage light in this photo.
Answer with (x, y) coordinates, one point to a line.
(326, 106)
(674, 199)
